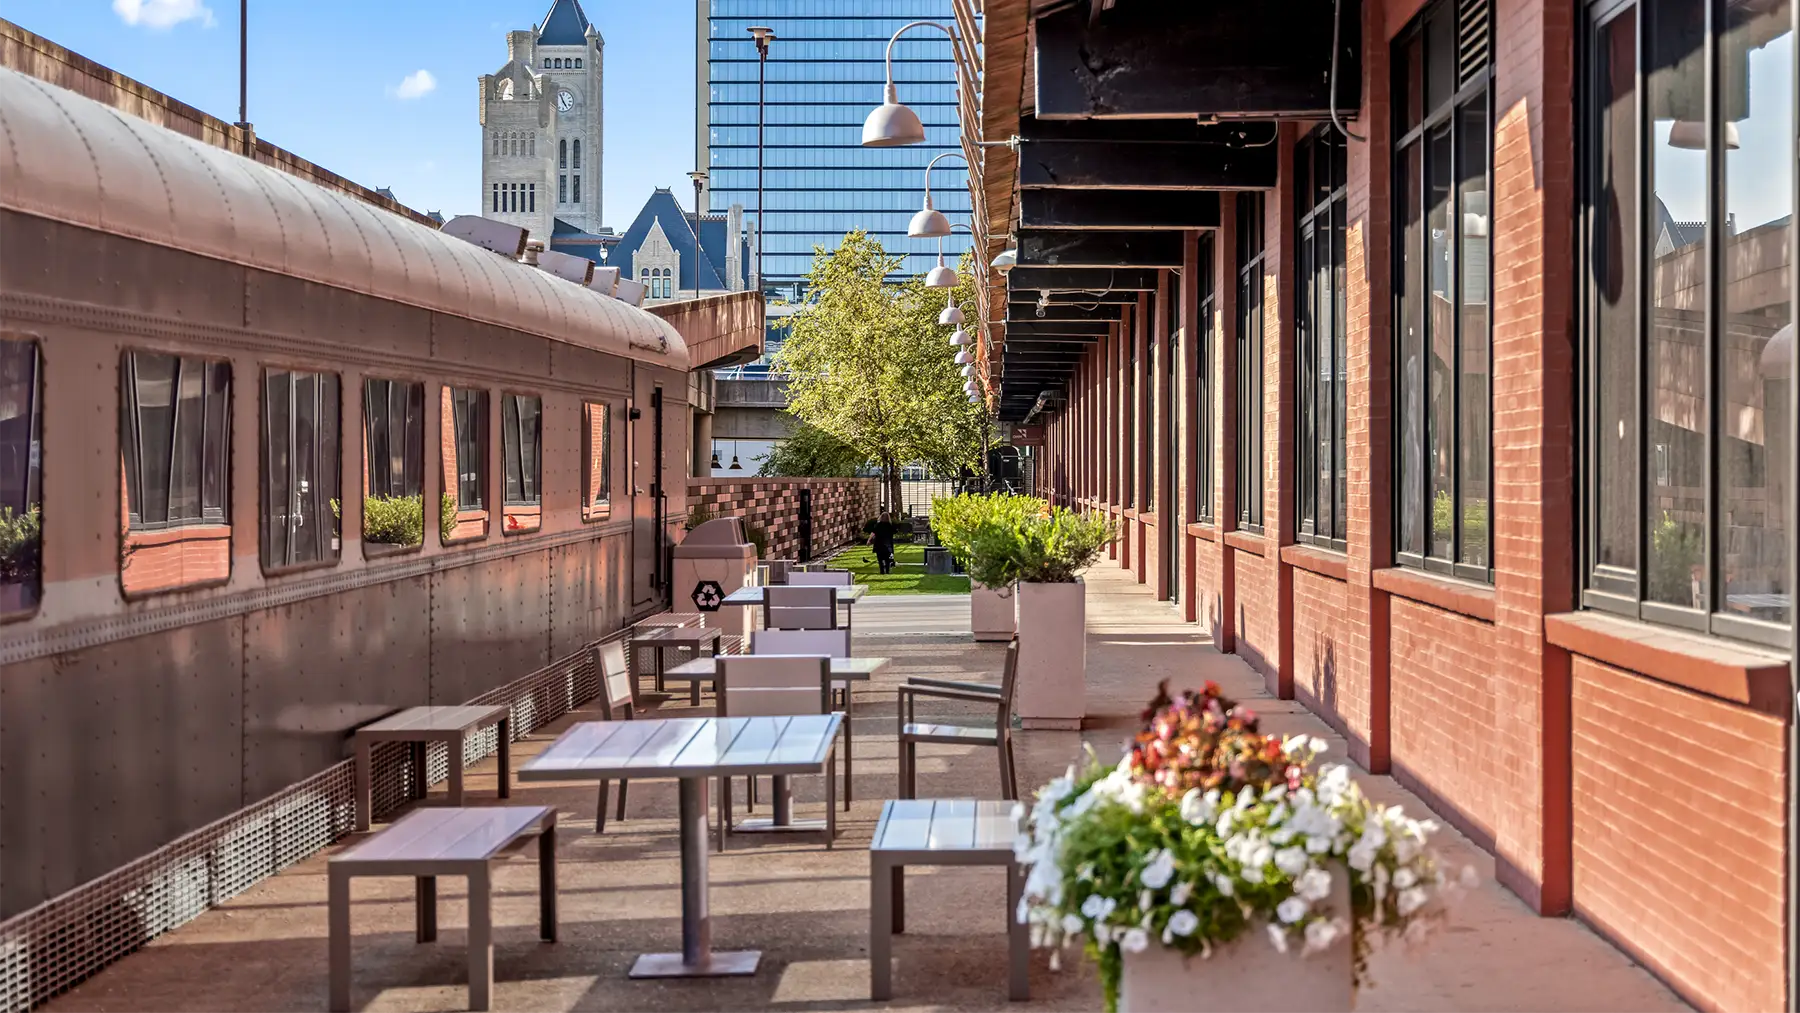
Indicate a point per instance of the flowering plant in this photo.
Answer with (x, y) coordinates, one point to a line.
(1207, 829)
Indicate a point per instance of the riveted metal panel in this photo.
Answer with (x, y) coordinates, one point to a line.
(589, 368)
(317, 668)
(490, 624)
(278, 304)
(116, 750)
(563, 478)
(472, 347)
(69, 262)
(571, 608)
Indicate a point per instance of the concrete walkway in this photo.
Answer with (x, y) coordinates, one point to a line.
(807, 908)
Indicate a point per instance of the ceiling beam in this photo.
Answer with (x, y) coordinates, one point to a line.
(1147, 155)
(1120, 210)
(1082, 248)
(1206, 58)
(1071, 328)
(1081, 279)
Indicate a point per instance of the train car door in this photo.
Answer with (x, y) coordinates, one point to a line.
(648, 497)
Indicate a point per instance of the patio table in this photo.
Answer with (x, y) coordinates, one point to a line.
(847, 595)
(422, 726)
(662, 638)
(693, 750)
(701, 670)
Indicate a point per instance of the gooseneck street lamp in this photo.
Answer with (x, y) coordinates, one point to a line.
(763, 36)
(930, 223)
(699, 178)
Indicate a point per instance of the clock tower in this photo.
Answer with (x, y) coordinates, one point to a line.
(543, 127)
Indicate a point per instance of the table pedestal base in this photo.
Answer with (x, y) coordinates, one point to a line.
(716, 964)
(764, 825)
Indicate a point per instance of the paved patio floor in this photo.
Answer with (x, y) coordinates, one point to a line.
(807, 908)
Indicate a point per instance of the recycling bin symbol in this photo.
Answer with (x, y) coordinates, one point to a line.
(708, 596)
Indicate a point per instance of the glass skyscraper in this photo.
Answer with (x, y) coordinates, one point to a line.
(824, 76)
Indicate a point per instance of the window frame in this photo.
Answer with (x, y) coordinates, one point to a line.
(511, 400)
(31, 488)
(371, 549)
(483, 465)
(596, 506)
(1442, 119)
(1617, 590)
(1250, 433)
(1320, 223)
(1206, 302)
(265, 462)
(132, 426)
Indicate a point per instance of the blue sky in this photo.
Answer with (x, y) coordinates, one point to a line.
(326, 77)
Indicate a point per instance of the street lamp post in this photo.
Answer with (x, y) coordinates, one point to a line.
(243, 123)
(763, 37)
(699, 178)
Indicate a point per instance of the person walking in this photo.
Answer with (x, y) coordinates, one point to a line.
(881, 536)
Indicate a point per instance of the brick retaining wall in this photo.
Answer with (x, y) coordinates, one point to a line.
(841, 506)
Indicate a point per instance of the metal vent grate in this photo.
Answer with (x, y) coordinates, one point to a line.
(55, 946)
(1473, 40)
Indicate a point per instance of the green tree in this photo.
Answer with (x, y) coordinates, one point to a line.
(811, 452)
(870, 366)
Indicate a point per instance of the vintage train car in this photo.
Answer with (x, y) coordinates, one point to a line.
(274, 462)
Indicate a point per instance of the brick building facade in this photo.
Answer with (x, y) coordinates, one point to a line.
(1465, 431)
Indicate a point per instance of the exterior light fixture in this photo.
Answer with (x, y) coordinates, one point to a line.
(930, 223)
(970, 388)
(968, 371)
(715, 460)
(941, 276)
(952, 314)
(892, 124)
(1691, 135)
(963, 356)
(1006, 260)
(735, 466)
(961, 337)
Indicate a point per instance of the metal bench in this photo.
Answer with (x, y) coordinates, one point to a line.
(429, 843)
(940, 832)
(421, 726)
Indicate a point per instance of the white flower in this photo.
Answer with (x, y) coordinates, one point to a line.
(1411, 900)
(1291, 910)
(1278, 937)
(1223, 883)
(1096, 907)
(1161, 869)
(1071, 924)
(1405, 878)
(1183, 890)
(1134, 941)
(1259, 857)
(1183, 923)
(1198, 808)
(1361, 857)
(1322, 933)
(1318, 845)
(1313, 885)
(1103, 933)
(1226, 820)
(1292, 861)
(1245, 799)
(1146, 900)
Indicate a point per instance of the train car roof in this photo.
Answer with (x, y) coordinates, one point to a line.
(74, 160)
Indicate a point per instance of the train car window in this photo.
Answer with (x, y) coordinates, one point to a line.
(521, 420)
(175, 429)
(463, 514)
(21, 475)
(394, 465)
(300, 473)
(596, 450)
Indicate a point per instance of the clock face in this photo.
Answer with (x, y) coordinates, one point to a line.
(565, 101)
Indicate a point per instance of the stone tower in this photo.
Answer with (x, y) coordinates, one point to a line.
(543, 126)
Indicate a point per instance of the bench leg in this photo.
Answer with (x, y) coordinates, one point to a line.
(425, 908)
(547, 881)
(881, 929)
(1018, 939)
(909, 758)
(453, 759)
(623, 787)
(364, 779)
(899, 907)
(849, 748)
(600, 809)
(481, 941)
(830, 802)
(339, 904)
(420, 768)
(505, 758)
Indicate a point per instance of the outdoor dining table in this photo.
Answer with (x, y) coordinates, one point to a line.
(706, 669)
(847, 595)
(693, 750)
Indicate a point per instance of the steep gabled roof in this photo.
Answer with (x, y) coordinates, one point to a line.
(565, 25)
(677, 226)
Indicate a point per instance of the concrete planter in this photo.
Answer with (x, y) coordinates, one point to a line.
(1052, 688)
(992, 612)
(1246, 974)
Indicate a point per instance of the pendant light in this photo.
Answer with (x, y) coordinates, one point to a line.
(715, 460)
(1690, 135)
(963, 357)
(1006, 260)
(961, 337)
(952, 314)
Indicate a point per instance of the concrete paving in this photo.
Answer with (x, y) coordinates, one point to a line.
(805, 907)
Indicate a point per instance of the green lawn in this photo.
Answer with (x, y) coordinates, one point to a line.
(909, 576)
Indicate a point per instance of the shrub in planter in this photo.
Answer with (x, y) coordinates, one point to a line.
(1051, 547)
(447, 515)
(954, 519)
(1208, 831)
(21, 545)
(391, 520)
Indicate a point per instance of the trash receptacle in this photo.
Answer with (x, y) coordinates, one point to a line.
(712, 561)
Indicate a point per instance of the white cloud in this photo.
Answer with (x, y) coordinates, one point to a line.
(161, 14)
(417, 84)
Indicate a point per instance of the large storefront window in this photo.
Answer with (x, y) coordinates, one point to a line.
(1250, 361)
(1319, 207)
(1443, 436)
(1688, 313)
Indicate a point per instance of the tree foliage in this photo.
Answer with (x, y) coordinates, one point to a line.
(869, 365)
(811, 452)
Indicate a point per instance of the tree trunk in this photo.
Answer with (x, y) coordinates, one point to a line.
(890, 483)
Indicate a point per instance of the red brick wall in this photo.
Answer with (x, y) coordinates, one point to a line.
(1320, 679)
(179, 557)
(1679, 834)
(1447, 739)
(1257, 622)
(1209, 589)
(841, 506)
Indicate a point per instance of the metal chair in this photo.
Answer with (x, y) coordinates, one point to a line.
(799, 608)
(831, 644)
(831, 578)
(998, 735)
(775, 685)
(616, 704)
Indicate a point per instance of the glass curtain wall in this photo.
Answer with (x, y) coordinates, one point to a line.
(1688, 312)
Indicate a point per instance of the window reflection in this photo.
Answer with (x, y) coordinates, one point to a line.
(175, 436)
(596, 434)
(520, 442)
(394, 464)
(300, 473)
(21, 481)
(463, 422)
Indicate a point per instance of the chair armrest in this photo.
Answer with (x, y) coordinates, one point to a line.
(908, 692)
(967, 687)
